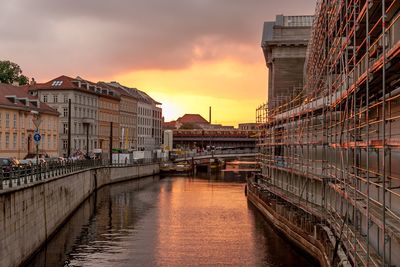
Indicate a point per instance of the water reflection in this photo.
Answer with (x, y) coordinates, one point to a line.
(177, 221)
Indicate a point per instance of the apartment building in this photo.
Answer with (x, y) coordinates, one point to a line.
(135, 117)
(109, 116)
(17, 110)
(128, 116)
(84, 97)
(149, 122)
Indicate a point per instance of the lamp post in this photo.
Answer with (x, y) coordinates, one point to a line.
(69, 129)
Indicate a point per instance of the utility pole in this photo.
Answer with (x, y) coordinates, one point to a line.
(87, 140)
(69, 128)
(36, 136)
(111, 141)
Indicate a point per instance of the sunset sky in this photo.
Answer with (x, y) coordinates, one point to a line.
(187, 54)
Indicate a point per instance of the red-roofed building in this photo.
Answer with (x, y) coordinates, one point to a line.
(17, 110)
(127, 116)
(187, 121)
(148, 118)
(193, 119)
(84, 97)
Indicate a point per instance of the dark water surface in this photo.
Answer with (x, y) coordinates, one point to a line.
(176, 221)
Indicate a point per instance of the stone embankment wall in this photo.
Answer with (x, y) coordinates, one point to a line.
(30, 214)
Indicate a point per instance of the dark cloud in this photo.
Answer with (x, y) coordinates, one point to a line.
(103, 37)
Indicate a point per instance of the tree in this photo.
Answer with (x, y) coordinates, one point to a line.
(11, 72)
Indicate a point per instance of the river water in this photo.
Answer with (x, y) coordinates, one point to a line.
(177, 221)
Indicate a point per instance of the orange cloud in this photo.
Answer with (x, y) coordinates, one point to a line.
(232, 88)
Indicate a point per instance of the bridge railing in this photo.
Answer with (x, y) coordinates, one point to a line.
(25, 174)
(190, 154)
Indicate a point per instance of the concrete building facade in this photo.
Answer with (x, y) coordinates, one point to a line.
(109, 114)
(284, 44)
(148, 121)
(128, 116)
(329, 155)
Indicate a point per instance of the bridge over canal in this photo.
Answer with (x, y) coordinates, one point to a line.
(230, 153)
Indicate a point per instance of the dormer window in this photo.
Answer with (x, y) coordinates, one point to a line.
(12, 98)
(24, 101)
(35, 102)
(57, 83)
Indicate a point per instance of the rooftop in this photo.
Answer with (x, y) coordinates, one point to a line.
(18, 97)
(192, 118)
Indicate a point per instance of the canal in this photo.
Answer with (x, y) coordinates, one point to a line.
(177, 221)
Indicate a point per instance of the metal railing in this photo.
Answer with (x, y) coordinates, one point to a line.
(25, 174)
(217, 152)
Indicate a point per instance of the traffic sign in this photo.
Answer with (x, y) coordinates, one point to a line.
(37, 137)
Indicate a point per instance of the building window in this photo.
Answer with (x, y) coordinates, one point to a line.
(15, 121)
(0, 120)
(14, 140)
(65, 112)
(49, 142)
(45, 98)
(7, 140)
(55, 98)
(23, 141)
(65, 144)
(56, 83)
(75, 144)
(55, 141)
(65, 99)
(1, 139)
(7, 120)
(65, 128)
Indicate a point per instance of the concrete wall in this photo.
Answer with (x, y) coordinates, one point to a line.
(30, 214)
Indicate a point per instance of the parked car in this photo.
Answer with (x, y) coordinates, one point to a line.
(7, 165)
(42, 161)
(25, 165)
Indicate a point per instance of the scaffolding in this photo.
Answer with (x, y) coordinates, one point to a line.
(334, 149)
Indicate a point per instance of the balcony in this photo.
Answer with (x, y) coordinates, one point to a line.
(87, 120)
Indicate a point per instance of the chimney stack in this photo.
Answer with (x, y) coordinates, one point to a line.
(209, 115)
